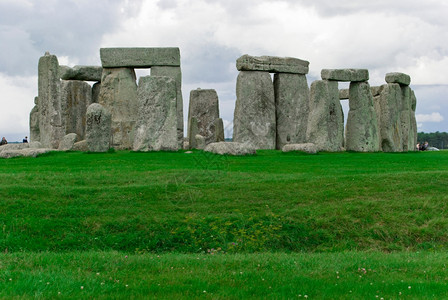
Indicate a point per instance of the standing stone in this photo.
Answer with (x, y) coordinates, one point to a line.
(157, 114)
(362, 125)
(326, 119)
(98, 128)
(118, 95)
(96, 88)
(390, 125)
(200, 142)
(292, 108)
(49, 105)
(413, 128)
(193, 130)
(76, 96)
(254, 116)
(376, 93)
(34, 121)
(219, 130)
(176, 74)
(204, 107)
(405, 117)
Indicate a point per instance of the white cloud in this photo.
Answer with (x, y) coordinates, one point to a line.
(434, 117)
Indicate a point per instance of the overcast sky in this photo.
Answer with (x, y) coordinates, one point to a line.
(409, 36)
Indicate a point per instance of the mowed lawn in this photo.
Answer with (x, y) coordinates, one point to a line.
(189, 225)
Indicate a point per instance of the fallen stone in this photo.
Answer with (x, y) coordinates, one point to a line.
(49, 92)
(362, 126)
(81, 146)
(68, 141)
(139, 57)
(254, 116)
(24, 152)
(292, 97)
(98, 128)
(204, 108)
(272, 64)
(118, 95)
(34, 145)
(176, 74)
(84, 73)
(397, 77)
(326, 119)
(344, 94)
(76, 96)
(345, 74)
(231, 148)
(157, 115)
(305, 147)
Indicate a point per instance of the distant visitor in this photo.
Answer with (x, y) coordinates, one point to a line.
(3, 141)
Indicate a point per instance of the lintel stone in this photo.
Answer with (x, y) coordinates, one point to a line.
(272, 64)
(397, 77)
(345, 74)
(85, 73)
(139, 57)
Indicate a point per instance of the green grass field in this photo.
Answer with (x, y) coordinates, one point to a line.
(180, 225)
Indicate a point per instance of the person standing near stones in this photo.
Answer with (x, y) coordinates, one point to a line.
(3, 141)
(25, 140)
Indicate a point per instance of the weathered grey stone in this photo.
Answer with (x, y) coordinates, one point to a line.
(186, 144)
(193, 130)
(34, 145)
(326, 119)
(376, 90)
(390, 124)
(200, 142)
(362, 124)
(96, 88)
(68, 141)
(84, 73)
(49, 105)
(254, 116)
(345, 74)
(377, 107)
(98, 128)
(397, 77)
(34, 124)
(139, 57)
(305, 147)
(292, 97)
(204, 108)
(219, 129)
(118, 95)
(412, 139)
(176, 74)
(157, 114)
(231, 148)
(28, 152)
(19, 146)
(76, 96)
(81, 146)
(272, 64)
(344, 94)
(405, 117)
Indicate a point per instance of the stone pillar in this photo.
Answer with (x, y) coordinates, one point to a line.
(405, 117)
(96, 92)
(49, 105)
(254, 116)
(76, 96)
(390, 124)
(326, 119)
(204, 108)
(118, 94)
(362, 125)
(34, 122)
(413, 128)
(176, 74)
(157, 114)
(376, 93)
(98, 128)
(292, 97)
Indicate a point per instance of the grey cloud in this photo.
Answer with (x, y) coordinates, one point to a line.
(65, 28)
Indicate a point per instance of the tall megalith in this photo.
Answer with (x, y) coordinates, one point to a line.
(34, 122)
(118, 94)
(390, 123)
(98, 128)
(362, 125)
(156, 127)
(49, 105)
(326, 119)
(203, 113)
(254, 116)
